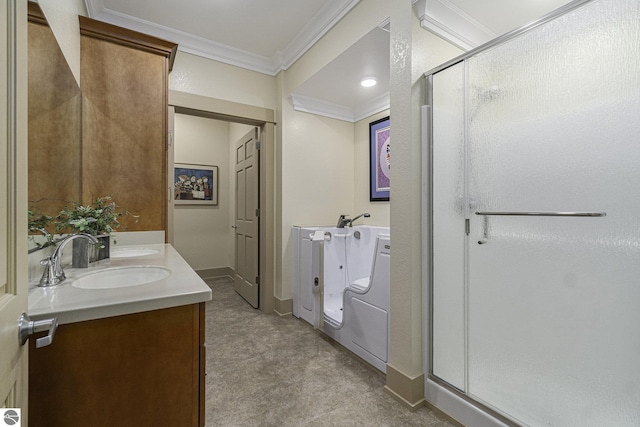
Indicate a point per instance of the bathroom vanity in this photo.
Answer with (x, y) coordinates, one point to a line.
(122, 355)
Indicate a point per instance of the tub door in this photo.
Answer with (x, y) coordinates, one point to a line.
(308, 276)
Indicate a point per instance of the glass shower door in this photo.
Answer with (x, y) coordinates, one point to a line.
(553, 143)
(536, 143)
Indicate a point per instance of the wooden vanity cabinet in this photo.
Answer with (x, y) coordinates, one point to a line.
(142, 369)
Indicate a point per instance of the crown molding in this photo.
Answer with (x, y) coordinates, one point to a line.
(319, 107)
(372, 106)
(318, 26)
(452, 24)
(310, 105)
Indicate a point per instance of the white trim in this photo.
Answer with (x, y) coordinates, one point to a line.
(449, 22)
(317, 27)
(465, 412)
(311, 105)
(371, 107)
(322, 108)
(188, 43)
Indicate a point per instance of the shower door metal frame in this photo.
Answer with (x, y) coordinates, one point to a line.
(427, 211)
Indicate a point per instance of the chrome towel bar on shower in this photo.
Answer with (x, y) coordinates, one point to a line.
(583, 214)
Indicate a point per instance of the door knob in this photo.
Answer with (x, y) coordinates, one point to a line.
(28, 327)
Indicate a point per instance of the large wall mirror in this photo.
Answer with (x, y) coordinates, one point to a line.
(55, 116)
(108, 139)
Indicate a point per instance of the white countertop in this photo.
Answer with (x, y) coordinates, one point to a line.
(70, 304)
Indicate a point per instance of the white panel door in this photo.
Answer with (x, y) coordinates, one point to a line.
(13, 203)
(247, 218)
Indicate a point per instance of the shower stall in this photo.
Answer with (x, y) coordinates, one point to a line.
(532, 227)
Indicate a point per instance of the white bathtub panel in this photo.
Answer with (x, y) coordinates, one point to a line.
(378, 293)
(360, 253)
(369, 328)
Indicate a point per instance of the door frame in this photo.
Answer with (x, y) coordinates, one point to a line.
(247, 285)
(263, 118)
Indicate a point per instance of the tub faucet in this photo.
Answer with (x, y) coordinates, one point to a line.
(53, 273)
(343, 221)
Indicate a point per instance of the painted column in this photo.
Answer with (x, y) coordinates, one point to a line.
(405, 378)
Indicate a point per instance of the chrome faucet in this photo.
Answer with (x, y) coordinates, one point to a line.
(343, 221)
(53, 273)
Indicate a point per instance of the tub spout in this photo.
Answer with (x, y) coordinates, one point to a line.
(366, 215)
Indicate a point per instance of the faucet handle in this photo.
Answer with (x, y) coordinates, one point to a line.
(49, 277)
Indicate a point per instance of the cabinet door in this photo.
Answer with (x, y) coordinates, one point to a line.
(141, 369)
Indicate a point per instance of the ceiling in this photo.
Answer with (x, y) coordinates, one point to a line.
(269, 36)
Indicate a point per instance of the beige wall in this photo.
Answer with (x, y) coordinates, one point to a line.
(202, 234)
(316, 156)
(317, 178)
(201, 76)
(380, 211)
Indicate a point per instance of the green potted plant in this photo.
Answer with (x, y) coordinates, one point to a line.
(99, 219)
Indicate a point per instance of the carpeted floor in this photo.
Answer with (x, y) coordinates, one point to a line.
(266, 370)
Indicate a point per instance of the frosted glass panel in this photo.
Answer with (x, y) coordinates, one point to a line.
(448, 226)
(553, 124)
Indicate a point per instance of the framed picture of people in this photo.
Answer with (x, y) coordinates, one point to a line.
(195, 184)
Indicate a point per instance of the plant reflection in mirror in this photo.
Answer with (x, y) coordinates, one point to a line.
(38, 222)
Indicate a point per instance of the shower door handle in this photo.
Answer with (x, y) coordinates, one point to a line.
(565, 214)
(485, 214)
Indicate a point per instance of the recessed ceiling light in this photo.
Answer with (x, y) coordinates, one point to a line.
(368, 82)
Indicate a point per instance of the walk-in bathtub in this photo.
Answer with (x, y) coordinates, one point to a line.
(341, 286)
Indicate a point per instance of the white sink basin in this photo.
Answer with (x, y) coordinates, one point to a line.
(131, 252)
(121, 277)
